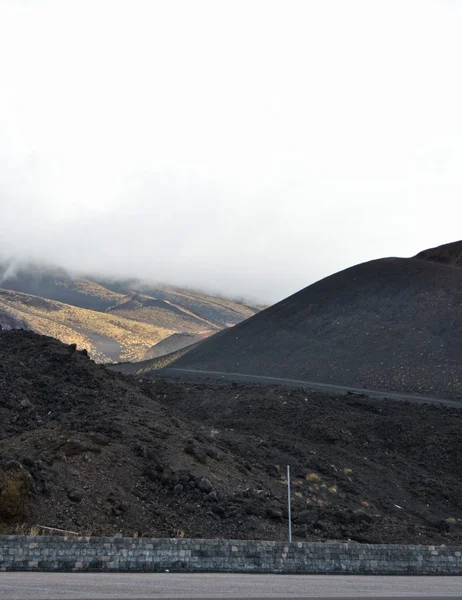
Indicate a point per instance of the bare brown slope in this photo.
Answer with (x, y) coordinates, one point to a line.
(393, 324)
(85, 449)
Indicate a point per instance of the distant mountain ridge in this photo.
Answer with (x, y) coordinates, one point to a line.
(118, 320)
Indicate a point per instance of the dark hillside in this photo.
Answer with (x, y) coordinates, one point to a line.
(393, 324)
(175, 342)
(449, 254)
(88, 450)
(91, 451)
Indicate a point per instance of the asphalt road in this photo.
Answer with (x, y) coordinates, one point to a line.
(38, 586)
(298, 383)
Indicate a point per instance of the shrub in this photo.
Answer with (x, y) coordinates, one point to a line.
(15, 490)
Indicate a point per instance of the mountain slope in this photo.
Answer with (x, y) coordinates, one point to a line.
(114, 320)
(105, 336)
(165, 314)
(449, 254)
(88, 450)
(149, 366)
(392, 324)
(175, 342)
(131, 296)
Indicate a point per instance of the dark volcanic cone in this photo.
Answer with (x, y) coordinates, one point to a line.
(392, 324)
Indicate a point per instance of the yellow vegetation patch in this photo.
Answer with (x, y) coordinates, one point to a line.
(168, 319)
(91, 288)
(72, 324)
(15, 490)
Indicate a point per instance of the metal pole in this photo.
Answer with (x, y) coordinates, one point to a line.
(288, 502)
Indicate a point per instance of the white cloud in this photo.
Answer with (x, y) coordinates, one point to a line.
(247, 146)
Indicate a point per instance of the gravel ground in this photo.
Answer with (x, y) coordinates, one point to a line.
(21, 586)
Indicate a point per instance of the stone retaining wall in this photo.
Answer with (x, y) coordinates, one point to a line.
(20, 553)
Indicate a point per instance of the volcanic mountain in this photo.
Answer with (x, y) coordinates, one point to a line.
(113, 320)
(392, 324)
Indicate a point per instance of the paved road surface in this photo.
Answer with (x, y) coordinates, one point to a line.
(38, 586)
(297, 383)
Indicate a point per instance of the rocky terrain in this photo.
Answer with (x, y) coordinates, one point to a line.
(90, 450)
(393, 324)
(114, 320)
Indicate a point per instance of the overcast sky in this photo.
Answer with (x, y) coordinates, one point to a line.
(249, 147)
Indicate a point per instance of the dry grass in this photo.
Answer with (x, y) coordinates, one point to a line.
(203, 300)
(125, 326)
(15, 488)
(72, 324)
(169, 319)
(91, 288)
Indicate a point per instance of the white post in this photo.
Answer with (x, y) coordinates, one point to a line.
(288, 502)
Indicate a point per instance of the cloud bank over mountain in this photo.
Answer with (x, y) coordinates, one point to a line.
(247, 147)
